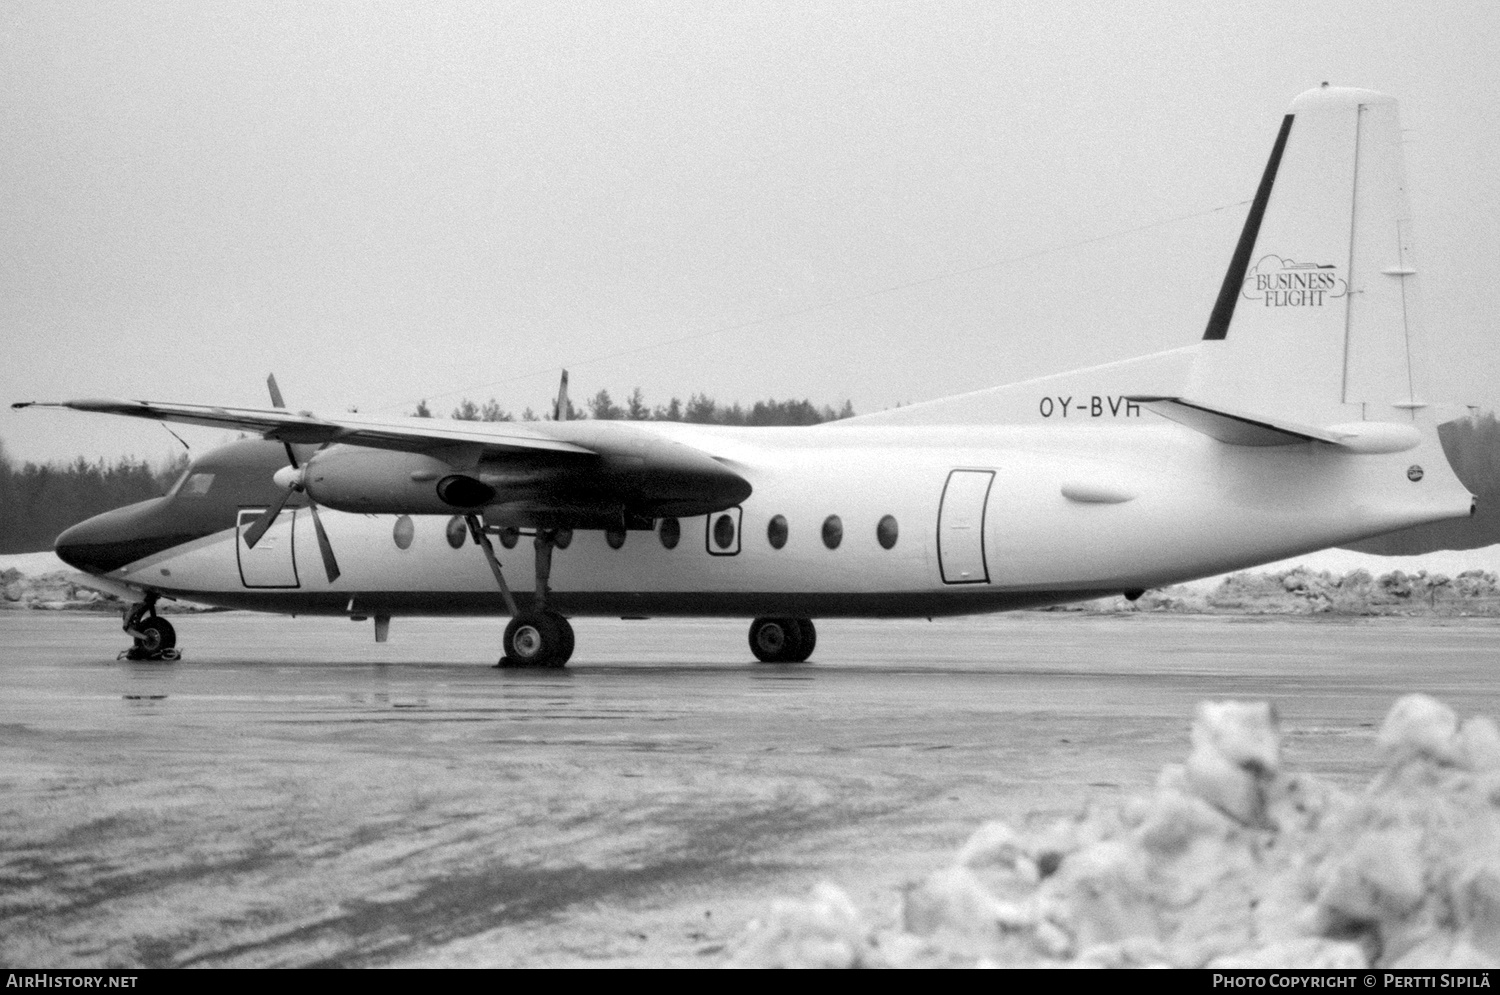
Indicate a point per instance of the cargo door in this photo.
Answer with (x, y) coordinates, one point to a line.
(272, 563)
(961, 527)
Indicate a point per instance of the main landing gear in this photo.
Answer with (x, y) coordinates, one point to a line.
(155, 639)
(782, 640)
(537, 637)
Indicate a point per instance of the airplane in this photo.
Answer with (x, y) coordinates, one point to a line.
(1300, 421)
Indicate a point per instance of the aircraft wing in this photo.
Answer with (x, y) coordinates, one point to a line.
(562, 474)
(401, 434)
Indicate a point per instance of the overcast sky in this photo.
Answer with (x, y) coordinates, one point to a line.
(388, 202)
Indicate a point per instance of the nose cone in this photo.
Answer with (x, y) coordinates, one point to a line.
(109, 541)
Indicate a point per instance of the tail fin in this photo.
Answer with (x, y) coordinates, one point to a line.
(1317, 319)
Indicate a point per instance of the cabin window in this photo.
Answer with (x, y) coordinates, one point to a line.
(615, 538)
(887, 531)
(776, 532)
(671, 532)
(197, 485)
(457, 531)
(833, 531)
(724, 532)
(403, 532)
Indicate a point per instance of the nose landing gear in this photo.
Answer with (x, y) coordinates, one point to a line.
(782, 640)
(155, 639)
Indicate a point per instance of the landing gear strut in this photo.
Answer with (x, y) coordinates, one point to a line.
(537, 637)
(782, 640)
(155, 639)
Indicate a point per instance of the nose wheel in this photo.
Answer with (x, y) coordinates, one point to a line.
(154, 637)
(541, 639)
(782, 640)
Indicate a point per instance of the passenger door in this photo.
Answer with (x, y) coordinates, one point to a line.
(961, 527)
(273, 561)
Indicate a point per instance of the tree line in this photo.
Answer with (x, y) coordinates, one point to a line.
(39, 500)
(699, 409)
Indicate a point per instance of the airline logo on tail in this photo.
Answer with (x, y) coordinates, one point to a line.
(1279, 282)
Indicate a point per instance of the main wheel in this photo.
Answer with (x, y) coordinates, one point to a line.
(775, 640)
(534, 639)
(565, 651)
(156, 636)
(809, 639)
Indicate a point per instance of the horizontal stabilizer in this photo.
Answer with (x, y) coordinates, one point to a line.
(1238, 429)
(1232, 428)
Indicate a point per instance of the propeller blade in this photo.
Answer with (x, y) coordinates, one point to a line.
(268, 517)
(277, 402)
(252, 536)
(325, 547)
(560, 406)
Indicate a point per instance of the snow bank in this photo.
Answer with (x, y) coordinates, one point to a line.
(1229, 862)
(1300, 591)
(41, 580)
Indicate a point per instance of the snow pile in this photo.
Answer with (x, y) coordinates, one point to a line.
(1361, 593)
(1301, 591)
(823, 930)
(56, 589)
(41, 580)
(1228, 862)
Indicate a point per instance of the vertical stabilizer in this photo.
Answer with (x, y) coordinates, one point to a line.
(1317, 317)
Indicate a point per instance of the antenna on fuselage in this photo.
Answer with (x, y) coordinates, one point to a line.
(177, 437)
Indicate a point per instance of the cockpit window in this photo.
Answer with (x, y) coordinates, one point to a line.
(177, 484)
(197, 485)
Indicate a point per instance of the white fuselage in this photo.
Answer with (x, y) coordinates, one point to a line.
(987, 518)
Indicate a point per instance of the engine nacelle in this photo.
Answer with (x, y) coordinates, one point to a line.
(629, 477)
(377, 481)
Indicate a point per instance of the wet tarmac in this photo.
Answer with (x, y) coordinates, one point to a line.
(291, 793)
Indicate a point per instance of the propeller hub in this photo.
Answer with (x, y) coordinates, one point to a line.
(289, 477)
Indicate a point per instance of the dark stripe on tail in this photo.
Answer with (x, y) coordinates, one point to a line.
(1218, 321)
